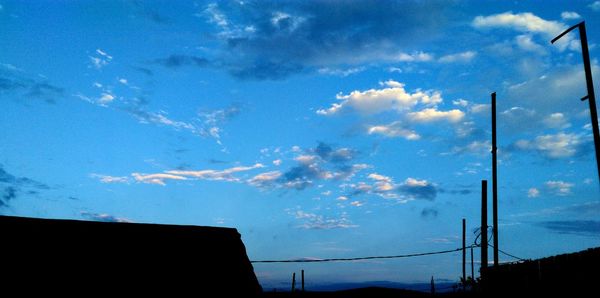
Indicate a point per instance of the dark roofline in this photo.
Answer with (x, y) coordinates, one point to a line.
(35, 220)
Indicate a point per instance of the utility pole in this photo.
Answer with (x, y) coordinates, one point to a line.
(494, 182)
(294, 282)
(302, 280)
(591, 97)
(472, 266)
(464, 254)
(484, 240)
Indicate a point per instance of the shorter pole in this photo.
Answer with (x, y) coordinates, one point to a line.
(294, 282)
(464, 254)
(302, 280)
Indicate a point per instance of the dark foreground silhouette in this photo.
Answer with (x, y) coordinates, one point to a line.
(83, 258)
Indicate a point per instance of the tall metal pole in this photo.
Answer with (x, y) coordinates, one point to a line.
(302, 280)
(464, 254)
(484, 240)
(494, 181)
(294, 282)
(591, 97)
(472, 266)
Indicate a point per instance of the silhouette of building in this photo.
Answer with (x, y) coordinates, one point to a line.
(86, 258)
(567, 273)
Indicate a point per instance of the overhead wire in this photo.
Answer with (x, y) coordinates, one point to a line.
(317, 260)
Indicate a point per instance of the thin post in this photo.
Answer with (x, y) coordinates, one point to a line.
(484, 240)
(432, 286)
(472, 266)
(494, 182)
(464, 253)
(294, 282)
(591, 97)
(302, 280)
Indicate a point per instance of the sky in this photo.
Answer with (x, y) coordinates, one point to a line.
(318, 129)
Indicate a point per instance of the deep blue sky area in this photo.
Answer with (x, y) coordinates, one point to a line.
(318, 129)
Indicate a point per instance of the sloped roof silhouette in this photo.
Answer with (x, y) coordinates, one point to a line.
(69, 256)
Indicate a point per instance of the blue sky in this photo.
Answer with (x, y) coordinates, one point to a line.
(318, 129)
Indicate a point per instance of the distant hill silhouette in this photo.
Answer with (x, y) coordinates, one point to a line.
(85, 258)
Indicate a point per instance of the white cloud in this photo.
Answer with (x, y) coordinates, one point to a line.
(595, 6)
(219, 175)
(533, 193)
(415, 182)
(156, 178)
(553, 146)
(475, 147)
(458, 57)
(394, 129)
(110, 179)
(571, 15)
(264, 180)
(525, 22)
(432, 114)
(277, 162)
(480, 108)
(104, 217)
(414, 57)
(382, 183)
(526, 43)
(320, 222)
(105, 98)
(587, 181)
(556, 120)
(356, 203)
(560, 188)
(340, 72)
(307, 159)
(461, 103)
(160, 118)
(226, 174)
(101, 59)
(342, 198)
(392, 97)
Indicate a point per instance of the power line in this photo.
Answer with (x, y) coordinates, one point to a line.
(510, 255)
(362, 258)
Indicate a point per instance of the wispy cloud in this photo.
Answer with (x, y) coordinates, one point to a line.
(103, 217)
(525, 22)
(569, 15)
(340, 72)
(533, 192)
(320, 222)
(559, 188)
(226, 174)
(110, 179)
(11, 186)
(100, 59)
(394, 129)
(555, 146)
(14, 80)
(458, 57)
(272, 41)
(208, 174)
(590, 228)
(176, 61)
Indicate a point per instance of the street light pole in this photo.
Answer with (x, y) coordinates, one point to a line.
(591, 97)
